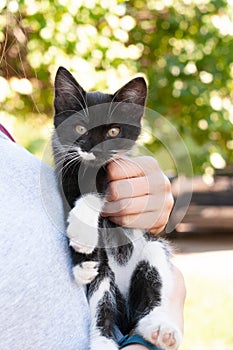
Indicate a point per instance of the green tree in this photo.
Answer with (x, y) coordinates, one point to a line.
(183, 48)
(187, 59)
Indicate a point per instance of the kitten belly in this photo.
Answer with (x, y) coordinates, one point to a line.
(123, 273)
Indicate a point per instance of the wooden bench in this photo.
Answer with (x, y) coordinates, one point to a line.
(211, 206)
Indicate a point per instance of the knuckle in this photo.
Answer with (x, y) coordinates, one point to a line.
(157, 230)
(153, 162)
(167, 183)
(124, 220)
(170, 202)
(112, 190)
(161, 222)
(149, 162)
(126, 206)
(123, 212)
(131, 220)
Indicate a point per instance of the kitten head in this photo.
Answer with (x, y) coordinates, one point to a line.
(94, 125)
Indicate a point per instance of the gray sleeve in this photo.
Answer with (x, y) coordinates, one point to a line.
(41, 307)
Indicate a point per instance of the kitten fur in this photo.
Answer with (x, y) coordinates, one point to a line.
(127, 272)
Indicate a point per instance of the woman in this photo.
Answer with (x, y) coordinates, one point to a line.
(41, 306)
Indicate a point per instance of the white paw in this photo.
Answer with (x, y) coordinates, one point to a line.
(159, 330)
(85, 272)
(102, 343)
(83, 223)
(167, 336)
(78, 247)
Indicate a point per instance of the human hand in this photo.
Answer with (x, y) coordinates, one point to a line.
(139, 194)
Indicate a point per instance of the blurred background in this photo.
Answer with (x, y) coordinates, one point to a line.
(184, 50)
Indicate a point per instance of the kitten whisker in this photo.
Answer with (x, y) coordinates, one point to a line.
(63, 160)
(65, 154)
(65, 167)
(85, 167)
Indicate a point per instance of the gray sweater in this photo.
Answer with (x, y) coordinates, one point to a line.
(41, 307)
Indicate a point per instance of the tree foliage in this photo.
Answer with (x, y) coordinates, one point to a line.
(183, 47)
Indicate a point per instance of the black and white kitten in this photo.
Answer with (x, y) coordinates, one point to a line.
(128, 272)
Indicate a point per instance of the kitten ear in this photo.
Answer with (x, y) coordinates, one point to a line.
(69, 95)
(135, 91)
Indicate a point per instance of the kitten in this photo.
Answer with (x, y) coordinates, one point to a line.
(128, 272)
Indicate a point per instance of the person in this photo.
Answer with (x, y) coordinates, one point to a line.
(41, 306)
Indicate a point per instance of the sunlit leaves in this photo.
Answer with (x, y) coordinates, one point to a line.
(183, 47)
(188, 62)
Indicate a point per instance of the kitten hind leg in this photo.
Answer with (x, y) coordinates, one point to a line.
(150, 288)
(102, 303)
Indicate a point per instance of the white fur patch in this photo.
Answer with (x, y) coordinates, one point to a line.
(85, 155)
(83, 223)
(123, 273)
(85, 272)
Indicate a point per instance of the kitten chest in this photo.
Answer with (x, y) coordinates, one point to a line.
(123, 272)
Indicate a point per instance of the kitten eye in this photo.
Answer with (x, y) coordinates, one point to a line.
(113, 132)
(80, 129)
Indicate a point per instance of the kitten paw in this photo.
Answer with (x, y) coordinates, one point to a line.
(102, 343)
(83, 223)
(85, 272)
(78, 247)
(167, 337)
(159, 330)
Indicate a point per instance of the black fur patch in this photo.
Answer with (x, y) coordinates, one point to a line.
(145, 291)
(106, 311)
(122, 254)
(104, 271)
